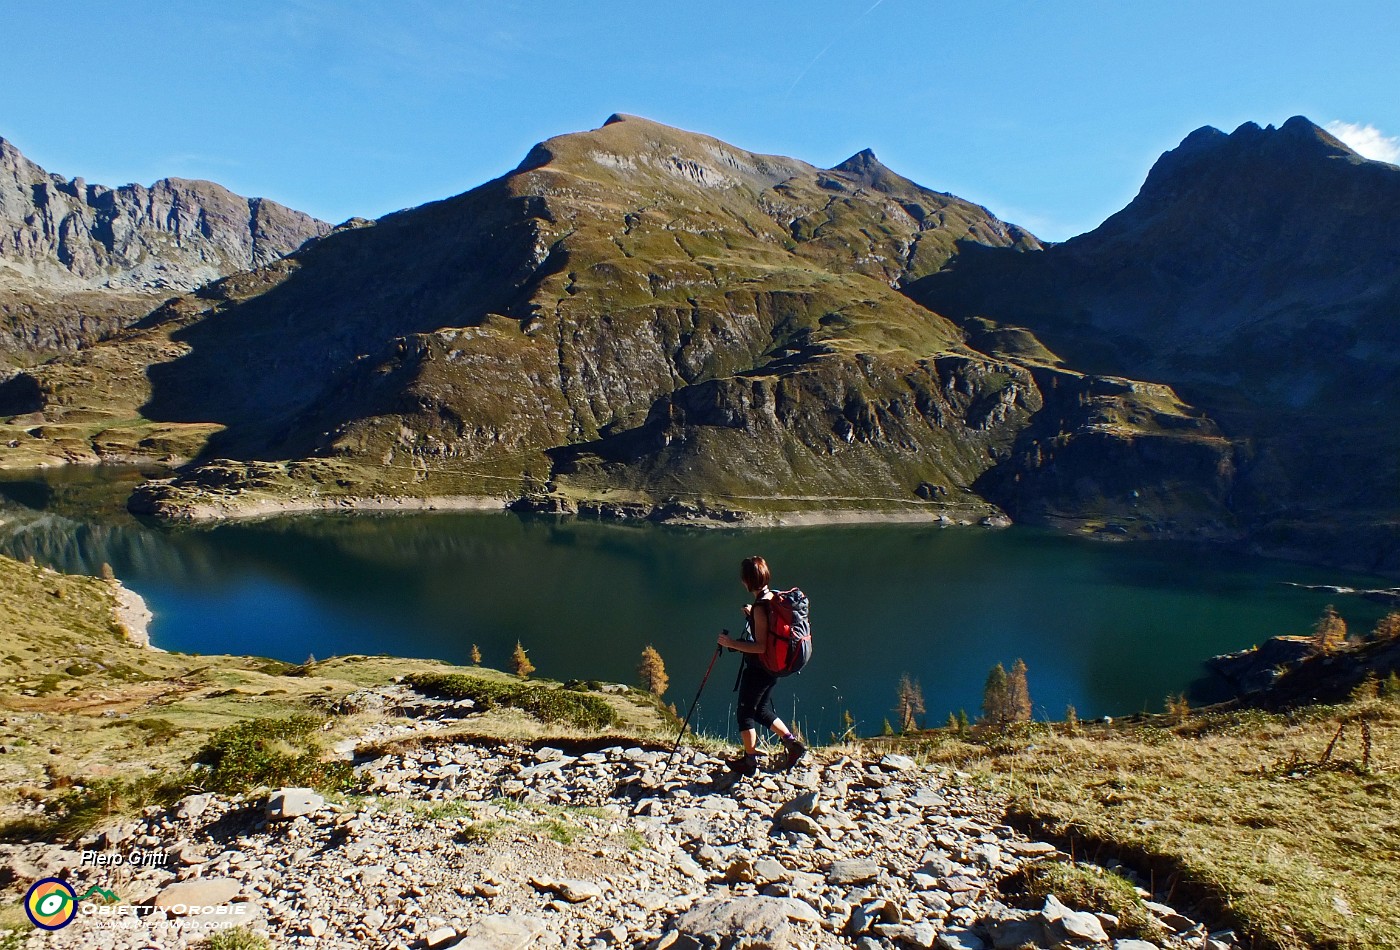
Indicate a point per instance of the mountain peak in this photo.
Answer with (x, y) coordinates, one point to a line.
(1304, 129)
(635, 148)
(858, 162)
(1299, 135)
(1249, 151)
(865, 168)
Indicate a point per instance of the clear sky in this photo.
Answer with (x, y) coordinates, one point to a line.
(1050, 112)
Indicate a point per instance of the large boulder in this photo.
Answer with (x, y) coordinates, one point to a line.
(186, 896)
(293, 803)
(748, 923)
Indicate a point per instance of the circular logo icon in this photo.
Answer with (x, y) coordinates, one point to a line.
(51, 903)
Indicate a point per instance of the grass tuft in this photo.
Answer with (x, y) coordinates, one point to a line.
(1086, 887)
(545, 703)
(236, 938)
(86, 805)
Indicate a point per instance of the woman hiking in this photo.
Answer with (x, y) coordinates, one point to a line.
(755, 682)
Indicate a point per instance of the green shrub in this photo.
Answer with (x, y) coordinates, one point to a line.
(236, 938)
(542, 702)
(48, 684)
(270, 752)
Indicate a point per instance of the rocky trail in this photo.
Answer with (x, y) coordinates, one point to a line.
(497, 847)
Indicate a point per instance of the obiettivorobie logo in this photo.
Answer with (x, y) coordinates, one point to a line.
(52, 903)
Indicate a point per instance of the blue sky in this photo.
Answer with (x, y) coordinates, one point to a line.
(1050, 112)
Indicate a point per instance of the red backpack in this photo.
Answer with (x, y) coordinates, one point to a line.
(789, 645)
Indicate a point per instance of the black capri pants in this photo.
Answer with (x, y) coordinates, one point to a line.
(756, 695)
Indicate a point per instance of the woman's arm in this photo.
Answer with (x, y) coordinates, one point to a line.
(759, 621)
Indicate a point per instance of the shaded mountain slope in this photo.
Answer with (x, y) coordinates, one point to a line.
(1256, 273)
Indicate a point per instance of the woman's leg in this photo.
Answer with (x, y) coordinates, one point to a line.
(755, 706)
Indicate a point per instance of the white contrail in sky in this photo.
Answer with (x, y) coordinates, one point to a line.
(808, 68)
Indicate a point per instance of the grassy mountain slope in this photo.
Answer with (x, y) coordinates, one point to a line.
(635, 313)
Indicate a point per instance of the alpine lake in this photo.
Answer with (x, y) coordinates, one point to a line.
(1110, 628)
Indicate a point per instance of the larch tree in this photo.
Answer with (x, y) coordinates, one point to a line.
(1330, 631)
(910, 703)
(994, 697)
(1018, 693)
(652, 671)
(1388, 627)
(521, 660)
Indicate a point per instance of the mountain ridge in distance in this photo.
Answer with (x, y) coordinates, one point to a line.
(80, 260)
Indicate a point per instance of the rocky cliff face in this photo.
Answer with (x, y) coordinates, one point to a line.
(62, 240)
(173, 236)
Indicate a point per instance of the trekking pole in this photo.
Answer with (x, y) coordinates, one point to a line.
(703, 680)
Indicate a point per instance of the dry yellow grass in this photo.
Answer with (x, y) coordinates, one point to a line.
(1228, 807)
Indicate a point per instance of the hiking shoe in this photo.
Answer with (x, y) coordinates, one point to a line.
(795, 751)
(744, 765)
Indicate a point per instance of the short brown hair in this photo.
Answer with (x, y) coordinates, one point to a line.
(754, 573)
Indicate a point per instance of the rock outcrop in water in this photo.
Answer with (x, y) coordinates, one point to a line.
(1287, 672)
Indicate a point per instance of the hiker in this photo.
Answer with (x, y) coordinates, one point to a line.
(755, 682)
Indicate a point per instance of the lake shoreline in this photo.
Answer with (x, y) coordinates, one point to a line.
(169, 502)
(221, 510)
(215, 507)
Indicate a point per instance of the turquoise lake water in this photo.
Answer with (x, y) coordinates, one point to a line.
(1111, 628)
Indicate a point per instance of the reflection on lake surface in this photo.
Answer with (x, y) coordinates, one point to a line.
(1109, 628)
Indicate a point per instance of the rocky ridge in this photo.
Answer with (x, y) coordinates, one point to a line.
(79, 261)
(488, 846)
(177, 234)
